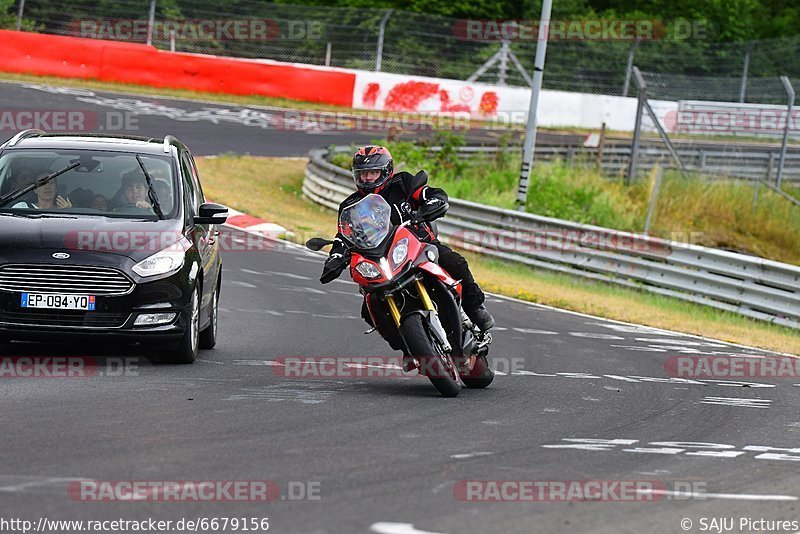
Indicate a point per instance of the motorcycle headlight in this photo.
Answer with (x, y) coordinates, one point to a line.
(368, 270)
(169, 260)
(400, 251)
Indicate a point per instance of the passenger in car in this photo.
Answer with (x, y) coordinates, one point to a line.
(47, 197)
(81, 197)
(164, 194)
(99, 202)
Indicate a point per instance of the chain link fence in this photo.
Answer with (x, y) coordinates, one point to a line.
(406, 43)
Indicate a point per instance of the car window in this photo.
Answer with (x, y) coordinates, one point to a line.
(200, 197)
(106, 183)
(189, 198)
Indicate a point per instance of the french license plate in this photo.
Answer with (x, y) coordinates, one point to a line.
(57, 301)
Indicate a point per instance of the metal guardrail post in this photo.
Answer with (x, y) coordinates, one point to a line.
(790, 93)
(381, 32)
(530, 129)
(745, 70)
(629, 68)
(151, 19)
(637, 128)
(653, 199)
(20, 13)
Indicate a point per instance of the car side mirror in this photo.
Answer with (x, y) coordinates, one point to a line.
(210, 213)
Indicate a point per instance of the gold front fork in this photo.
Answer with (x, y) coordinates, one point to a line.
(423, 294)
(393, 310)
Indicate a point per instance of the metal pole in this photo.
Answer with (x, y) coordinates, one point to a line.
(745, 70)
(653, 198)
(600, 146)
(629, 68)
(172, 40)
(530, 130)
(637, 127)
(665, 137)
(151, 18)
(328, 55)
(520, 68)
(502, 69)
(381, 31)
(766, 179)
(20, 12)
(790, 92)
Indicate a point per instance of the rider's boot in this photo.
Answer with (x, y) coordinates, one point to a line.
(481, 318)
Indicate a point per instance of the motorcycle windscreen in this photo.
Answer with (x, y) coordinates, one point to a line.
(366, 223)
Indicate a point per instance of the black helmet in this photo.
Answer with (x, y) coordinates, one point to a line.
(370, 158)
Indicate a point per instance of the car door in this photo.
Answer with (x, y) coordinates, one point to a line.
(197, 232)
(206, 234)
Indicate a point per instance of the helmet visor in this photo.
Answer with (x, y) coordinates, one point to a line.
(370, 178)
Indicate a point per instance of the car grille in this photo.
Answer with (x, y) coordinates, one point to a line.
(74, 279)
(63, 318)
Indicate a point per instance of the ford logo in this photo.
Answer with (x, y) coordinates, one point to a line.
(61, 255)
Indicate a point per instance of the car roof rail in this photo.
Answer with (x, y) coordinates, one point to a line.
(168, 140)
(24, 134)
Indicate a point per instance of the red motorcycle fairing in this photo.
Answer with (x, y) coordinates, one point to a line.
(415, 247)
(436, 270)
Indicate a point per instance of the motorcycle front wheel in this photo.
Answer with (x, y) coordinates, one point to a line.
(438, 367)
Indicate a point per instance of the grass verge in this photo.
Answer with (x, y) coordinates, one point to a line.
(719, 214)
(271, 188)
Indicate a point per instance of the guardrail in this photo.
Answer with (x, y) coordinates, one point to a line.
(747, 285)
(746, 162)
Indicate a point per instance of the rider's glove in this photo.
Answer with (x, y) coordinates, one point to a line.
(334, 266)
(432, 209)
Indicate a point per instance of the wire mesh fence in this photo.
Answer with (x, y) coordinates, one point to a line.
(412, 43)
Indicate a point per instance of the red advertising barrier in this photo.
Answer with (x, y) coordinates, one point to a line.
(113, 61)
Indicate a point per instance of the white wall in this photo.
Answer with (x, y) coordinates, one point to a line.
(395, 92)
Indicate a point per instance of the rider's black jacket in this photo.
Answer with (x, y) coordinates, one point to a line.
(411, 199)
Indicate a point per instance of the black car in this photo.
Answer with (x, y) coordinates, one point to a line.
(107, 236)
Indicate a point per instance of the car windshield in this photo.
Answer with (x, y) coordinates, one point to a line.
(366, 223)
(110, 184)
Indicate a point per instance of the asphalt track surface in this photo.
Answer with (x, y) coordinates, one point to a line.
(386, 452)
(210, 128)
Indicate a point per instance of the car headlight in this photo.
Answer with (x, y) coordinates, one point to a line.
(400, 251)
(169, 260)
(368, 270)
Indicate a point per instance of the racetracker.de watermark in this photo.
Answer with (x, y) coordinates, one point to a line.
(632, 30)
(743, 120)
(518, 241)
(193, 490)
(361, 367)
(123, 241)
(198, 29)
(557, 491)
(67, 120)
(66, 367)
(733, 366)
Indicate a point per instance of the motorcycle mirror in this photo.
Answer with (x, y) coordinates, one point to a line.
(316, 243)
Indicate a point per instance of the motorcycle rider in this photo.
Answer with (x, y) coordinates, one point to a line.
(411, 199)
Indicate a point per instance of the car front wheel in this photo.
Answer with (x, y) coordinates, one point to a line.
(186, 349)
(208, 336)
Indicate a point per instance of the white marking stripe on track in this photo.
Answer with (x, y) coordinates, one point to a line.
(731, 496)
(386, 527)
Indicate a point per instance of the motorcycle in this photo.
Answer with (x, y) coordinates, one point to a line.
(406, 291)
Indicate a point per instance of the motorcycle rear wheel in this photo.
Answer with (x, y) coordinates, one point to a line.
(481, 374)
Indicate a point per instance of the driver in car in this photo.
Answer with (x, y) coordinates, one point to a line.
(134, 187)
(413, 200)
